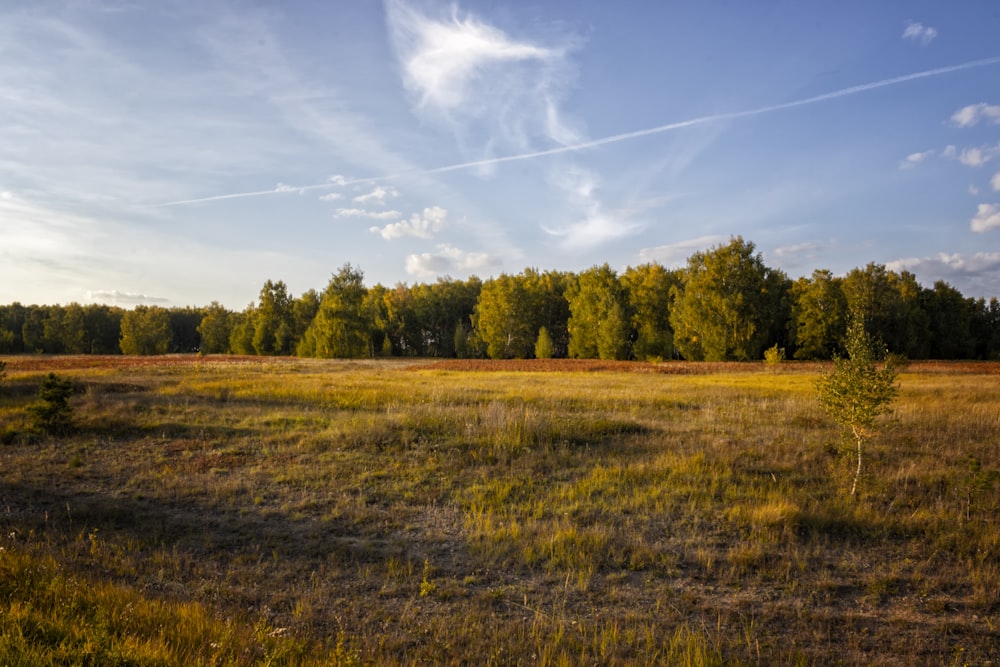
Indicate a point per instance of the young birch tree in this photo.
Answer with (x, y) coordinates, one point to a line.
(856, 392)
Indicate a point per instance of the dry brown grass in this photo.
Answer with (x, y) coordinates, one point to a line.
(553, 513)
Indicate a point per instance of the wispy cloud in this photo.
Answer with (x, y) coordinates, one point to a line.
(420, 225)
(918, 32)
(117, 298)
(913, 159)
(995, 182)
(448, 260)
(490, 88)
(378, 195)
(971, 274)
(978, 156)
(591, 224)
(796, 250)
(364, 213)
(638, 134)
(676, 254)
(987, 217)
(970, 115)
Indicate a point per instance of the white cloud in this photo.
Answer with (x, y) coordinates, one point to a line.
(676, 254)
(950, 152)
(362, 213)
(116, 298)
(443, 61)
(337, 179)
(449, 259)
(913, 159)
(804, 248)
(946, 265)
(491, 89)
(973, 189)
(994, 183)
(978, 156)
(918, 32)
(987, 217)
(421, 225)
(970, 115)
(379, 194)
(590, 224)
(331, 196)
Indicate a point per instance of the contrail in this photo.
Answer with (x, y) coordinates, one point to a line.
(615, 138)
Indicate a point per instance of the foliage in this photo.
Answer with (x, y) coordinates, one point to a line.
(214, 329)
(339, 329)
(774, 355)
(504, 319)
(727, 305)
(3, 369)
(856, 392)
(819, 315)
(271, 321)
(52, 413)
(145, 330)
(648, 288)
(543, 344)
(599, 323)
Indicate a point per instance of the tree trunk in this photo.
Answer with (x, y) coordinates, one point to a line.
(857, 473)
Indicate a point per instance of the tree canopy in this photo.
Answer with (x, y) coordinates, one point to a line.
(724, 304)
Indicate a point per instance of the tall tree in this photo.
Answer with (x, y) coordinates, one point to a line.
(727, 304)
(340, 328)
(504, 320)
(214, 329)
(819, 316)
(950, 322)
(648, 289)
(272, 326)
(599, 322)
(145, 331)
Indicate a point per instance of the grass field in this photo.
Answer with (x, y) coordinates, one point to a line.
(236, 511)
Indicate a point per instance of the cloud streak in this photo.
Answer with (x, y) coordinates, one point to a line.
(624, 136)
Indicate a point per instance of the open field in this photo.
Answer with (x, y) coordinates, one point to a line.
(237, 511)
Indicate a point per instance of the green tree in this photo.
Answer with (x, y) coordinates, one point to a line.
(648, 289)
(272, 327)
(599, 322)
(461, 339)
(214, 329)
(889, 306)
(184, 324)
(504, 317)
(241, 334)
(728, 304)
(819, 316)
(303, 312)
(340, 328)
(52, 412)
(856, 392)
(950, 318)
(543, 344)
(145, 330)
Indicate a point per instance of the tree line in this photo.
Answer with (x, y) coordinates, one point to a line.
(725, 304)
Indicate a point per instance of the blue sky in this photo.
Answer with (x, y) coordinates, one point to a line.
(177, 153)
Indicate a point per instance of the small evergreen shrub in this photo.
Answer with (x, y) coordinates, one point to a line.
(52, 413)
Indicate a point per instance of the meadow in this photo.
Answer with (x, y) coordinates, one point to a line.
(279, 511)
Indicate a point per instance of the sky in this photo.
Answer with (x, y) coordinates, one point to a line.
(177, 153)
